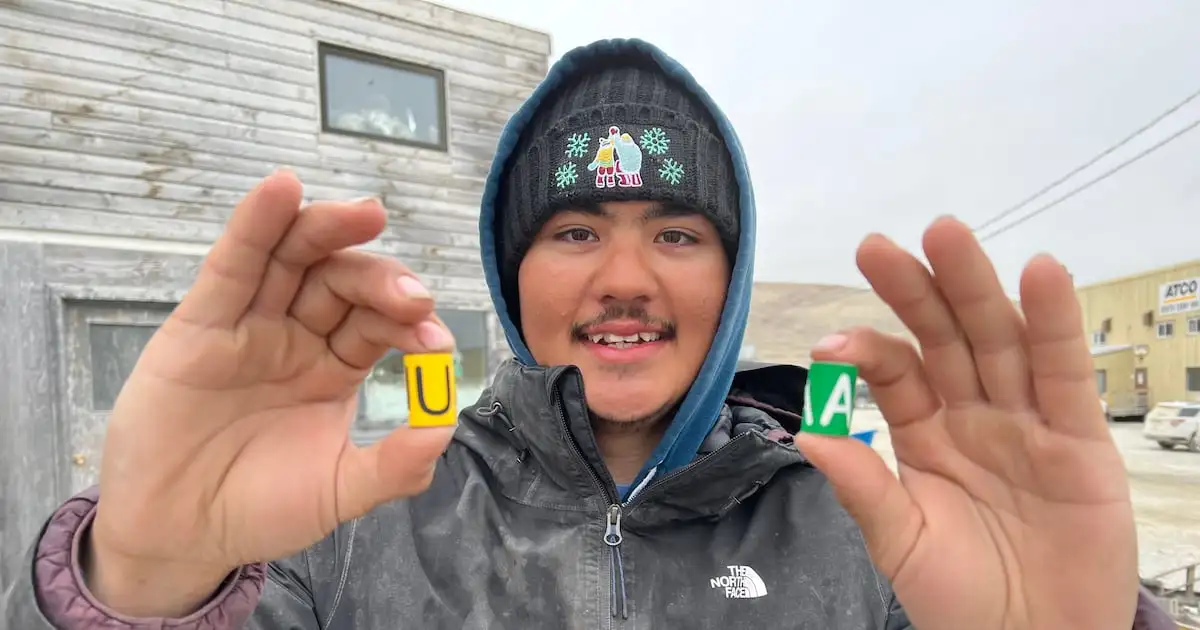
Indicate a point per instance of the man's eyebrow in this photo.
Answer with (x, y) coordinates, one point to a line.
(589, 208)
(656, 210)
(668, 209)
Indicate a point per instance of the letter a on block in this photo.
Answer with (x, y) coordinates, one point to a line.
(432, 391)
(829, 398)
(839, 404)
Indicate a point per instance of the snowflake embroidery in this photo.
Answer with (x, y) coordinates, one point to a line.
(577, 145)
(566, 175)
(671, 171)
(655, 141)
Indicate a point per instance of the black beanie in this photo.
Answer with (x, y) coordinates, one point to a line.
(618, 130)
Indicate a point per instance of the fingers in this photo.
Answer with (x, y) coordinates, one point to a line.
(907, 287)
(994, 328)
(366, 335)
(889, 519)
(355, 278)
(400, 465)
(1063, 376)
(891, 366)
(232, 272)
(321, 229)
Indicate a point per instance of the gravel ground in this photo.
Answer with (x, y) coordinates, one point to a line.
(1166, 493)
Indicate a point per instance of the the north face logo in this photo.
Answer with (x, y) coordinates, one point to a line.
(741, 583)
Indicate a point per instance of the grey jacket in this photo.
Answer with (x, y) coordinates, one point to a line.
(521, 530)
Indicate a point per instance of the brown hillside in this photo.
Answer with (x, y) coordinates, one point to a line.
(787, 319)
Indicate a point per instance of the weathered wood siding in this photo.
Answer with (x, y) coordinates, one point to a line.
(150, 118)
(129, 128)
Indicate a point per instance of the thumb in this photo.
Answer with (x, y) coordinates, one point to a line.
(398, 466)
(872, 495)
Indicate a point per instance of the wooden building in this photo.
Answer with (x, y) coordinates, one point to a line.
(1145, 336)
(129, 128)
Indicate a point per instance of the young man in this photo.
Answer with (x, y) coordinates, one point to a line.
(669, 496)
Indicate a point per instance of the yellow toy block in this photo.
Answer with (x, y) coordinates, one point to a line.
(432, 393)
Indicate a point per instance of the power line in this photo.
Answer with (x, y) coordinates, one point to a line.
(848, 292)
(1093, 182)
(1090, 162)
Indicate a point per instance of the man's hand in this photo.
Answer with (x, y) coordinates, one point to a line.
(1012, 509)
(229, 444)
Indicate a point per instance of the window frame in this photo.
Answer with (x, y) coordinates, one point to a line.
(1190, 372)
(1193, 325)
(325, 49)
(1168, 326)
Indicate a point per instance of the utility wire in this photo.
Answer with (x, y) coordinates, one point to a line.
(1092, 182)
(1089, 163)
(849, 292)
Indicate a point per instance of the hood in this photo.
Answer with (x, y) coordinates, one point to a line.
(701, 408)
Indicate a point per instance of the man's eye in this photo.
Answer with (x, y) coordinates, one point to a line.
(676, 237)
(578, 235)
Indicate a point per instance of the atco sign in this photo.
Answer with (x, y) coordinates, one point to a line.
(1179, 297)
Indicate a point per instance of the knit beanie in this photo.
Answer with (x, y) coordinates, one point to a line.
(619, 129)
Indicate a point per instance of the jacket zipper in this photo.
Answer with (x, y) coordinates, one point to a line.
(613, 538)
(613, 535)
(612, 520)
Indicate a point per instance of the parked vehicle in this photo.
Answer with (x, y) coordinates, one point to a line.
(1127, 405)
(1172, 424)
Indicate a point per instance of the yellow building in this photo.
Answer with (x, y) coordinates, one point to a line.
(1145, 336)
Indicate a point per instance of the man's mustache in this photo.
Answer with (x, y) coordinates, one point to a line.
(618, 311)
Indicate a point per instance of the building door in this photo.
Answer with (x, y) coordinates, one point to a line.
(101, 343)
(1140, 379)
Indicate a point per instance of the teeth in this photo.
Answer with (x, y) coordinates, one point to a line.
(624, 341)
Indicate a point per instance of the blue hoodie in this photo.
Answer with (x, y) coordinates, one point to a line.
(699, 410)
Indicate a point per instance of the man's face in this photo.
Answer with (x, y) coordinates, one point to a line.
(630, 292)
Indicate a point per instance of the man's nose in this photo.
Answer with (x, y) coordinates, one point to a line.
(625, 274)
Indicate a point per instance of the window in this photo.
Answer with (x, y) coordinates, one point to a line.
(115, 350)
(1166, 329)
(1194, 325)
(1193, 379)
(383, 401)
(377, 97)
(1098, 338)
(1101, 381)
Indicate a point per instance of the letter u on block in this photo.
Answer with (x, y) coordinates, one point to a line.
(432, 392)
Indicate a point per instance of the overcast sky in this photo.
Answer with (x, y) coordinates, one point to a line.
(863, 116)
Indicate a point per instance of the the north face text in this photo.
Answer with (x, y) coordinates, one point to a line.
(741, 583)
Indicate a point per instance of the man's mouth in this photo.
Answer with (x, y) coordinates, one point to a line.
(624, 341)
